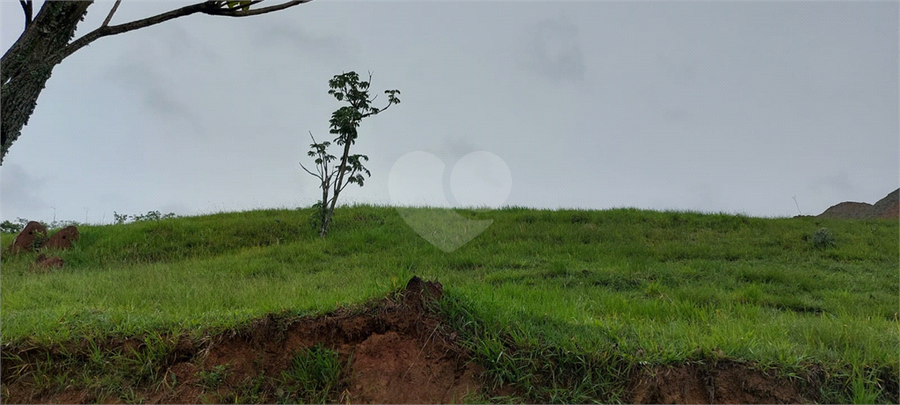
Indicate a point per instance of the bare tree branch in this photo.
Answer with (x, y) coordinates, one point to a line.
(307, 170)
(207, 7)
(111, 12)
(27, 8)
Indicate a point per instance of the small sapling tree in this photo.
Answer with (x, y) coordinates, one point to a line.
(344, 123)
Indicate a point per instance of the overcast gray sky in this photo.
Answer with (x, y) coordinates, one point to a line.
(708, 106)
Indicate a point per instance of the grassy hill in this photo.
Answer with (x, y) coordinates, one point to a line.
(601, 292)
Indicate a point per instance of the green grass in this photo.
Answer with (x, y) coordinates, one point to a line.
(581, 296)
(312, 376)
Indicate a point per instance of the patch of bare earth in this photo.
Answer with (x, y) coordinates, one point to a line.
(725, 382)
(396, 350)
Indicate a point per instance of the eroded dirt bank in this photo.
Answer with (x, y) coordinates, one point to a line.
(396, 350)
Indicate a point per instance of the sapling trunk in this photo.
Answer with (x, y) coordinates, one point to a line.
(326, 219)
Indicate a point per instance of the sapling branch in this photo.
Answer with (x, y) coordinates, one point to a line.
(321, 152)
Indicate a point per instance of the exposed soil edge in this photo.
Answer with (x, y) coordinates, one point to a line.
(397, 344)
(396, 350)
(717, 382)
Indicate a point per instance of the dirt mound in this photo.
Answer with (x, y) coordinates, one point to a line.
(395, 351)
(886, 208)
(29, 238)
(44, 262)
(63, 238)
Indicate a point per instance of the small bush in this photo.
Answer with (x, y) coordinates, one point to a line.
(213, 378)
(316, 216)
(823, 239)
(149, 216)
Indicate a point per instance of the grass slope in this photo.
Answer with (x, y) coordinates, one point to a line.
(595, 291)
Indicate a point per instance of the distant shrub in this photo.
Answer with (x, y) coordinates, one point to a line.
(120, 218)
(823, 239)
(19, 225)
(153, 216)
(149, 216)
(9, 227)
(62, 224)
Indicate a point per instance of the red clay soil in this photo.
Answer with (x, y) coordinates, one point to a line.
(63, 238)
(723, 383)
(28, 238)
(397, 350)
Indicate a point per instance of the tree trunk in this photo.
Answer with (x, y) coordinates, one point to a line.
(326, 222)
(323, 212)
(27, 65)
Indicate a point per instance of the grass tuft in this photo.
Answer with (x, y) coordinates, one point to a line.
(313, 375)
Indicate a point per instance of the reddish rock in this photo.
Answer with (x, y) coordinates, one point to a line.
(30, 238)
(49, 262)
(63, 239)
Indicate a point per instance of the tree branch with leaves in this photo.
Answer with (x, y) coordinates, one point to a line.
(46, 41)
(344, 123)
